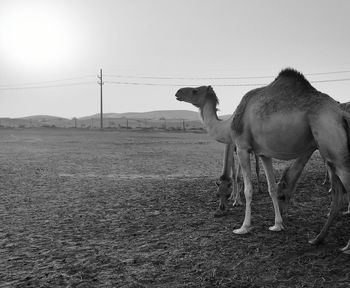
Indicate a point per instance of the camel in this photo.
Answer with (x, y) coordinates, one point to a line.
(220, 130)
(286, 119)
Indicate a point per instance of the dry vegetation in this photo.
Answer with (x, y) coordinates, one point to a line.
(135, 209)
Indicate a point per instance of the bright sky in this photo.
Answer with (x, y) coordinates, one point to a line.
(49, 40)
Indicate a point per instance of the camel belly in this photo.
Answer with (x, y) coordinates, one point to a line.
(282, 136)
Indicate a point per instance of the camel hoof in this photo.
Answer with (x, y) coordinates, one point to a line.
(276, 227)
(345, 250)
(242, 230)
(315, 241)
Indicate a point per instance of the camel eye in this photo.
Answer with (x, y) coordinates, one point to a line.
(195, 91)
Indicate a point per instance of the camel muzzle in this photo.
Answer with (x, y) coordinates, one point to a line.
(179, 97)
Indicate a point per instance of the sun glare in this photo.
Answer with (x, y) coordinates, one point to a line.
(36, 35)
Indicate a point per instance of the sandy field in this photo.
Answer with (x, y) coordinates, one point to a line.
(84, 208)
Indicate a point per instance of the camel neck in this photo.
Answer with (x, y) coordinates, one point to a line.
(218, 129)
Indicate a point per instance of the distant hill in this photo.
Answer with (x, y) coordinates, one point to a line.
(175, 119)
(42, 118)
(155, 115)
(224, 117)
(152, 115)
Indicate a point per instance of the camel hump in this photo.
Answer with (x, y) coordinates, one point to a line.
(295, 77)
(290, 88)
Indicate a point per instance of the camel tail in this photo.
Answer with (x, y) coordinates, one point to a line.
(346, 120)
(339, 192)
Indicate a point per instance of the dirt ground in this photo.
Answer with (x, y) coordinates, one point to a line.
(86, 208)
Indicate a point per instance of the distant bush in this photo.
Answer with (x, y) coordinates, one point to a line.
(48, 126)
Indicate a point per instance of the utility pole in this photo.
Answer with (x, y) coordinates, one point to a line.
(100, 82)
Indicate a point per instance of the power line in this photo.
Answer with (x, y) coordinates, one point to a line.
(330, 80)
(142, 83)
(179, 85)
(325, 73)
(217, 85)
(135, 83)
(184, 78)
(217, 78)
(46, 86)
(159, 84)
(44, 82)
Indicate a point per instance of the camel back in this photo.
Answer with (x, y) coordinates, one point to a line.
(289, 89)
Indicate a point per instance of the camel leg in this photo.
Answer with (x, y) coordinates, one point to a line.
(347, 199)
(325, 177)
(331, 180)
(228, 161)
(345, 179)
(224, 190)
(234, 178)
(237, 185)
(244, 159)
(240, 184)
(272, 186)
(336, 192)
(257, 170)
(347, 211)
(287, 184)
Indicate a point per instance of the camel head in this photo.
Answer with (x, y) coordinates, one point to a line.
(197, 96)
